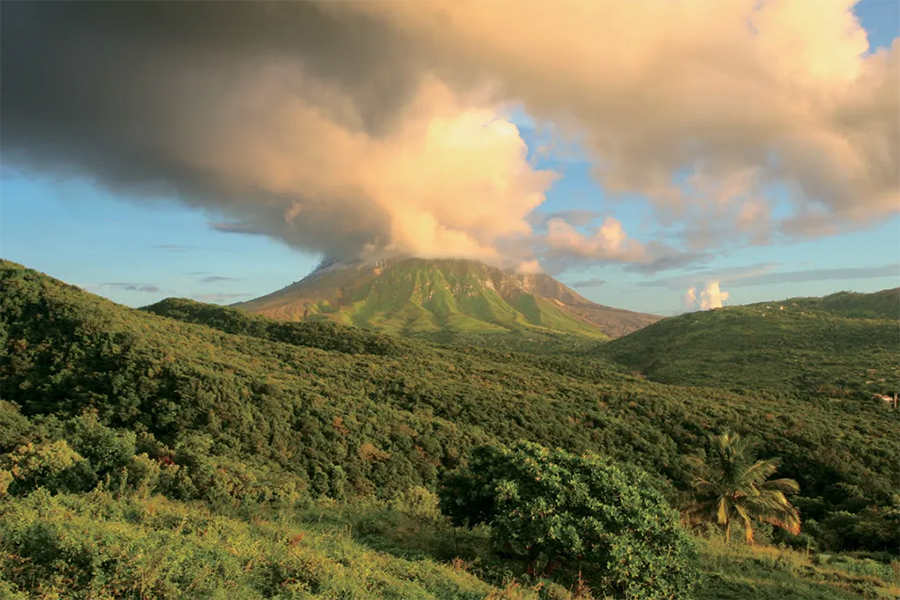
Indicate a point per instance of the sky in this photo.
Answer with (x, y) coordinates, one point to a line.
(693, 155)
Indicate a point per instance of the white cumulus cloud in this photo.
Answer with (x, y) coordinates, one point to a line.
(705, 296)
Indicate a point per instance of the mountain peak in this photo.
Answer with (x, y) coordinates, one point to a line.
(443, 299)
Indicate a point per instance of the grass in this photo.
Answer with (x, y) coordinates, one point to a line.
(95, 546)
(99, 546)
(769, 573)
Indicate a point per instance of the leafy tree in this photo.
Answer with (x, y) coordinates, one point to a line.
(735, 487)
(559, 509)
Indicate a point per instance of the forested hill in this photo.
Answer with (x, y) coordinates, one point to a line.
(324, 335)
(877, 305)
(842, 346)
(265, 408)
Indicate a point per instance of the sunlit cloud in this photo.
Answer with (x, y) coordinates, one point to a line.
(362, 130)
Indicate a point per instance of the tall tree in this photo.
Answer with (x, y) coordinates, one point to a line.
(733, 486)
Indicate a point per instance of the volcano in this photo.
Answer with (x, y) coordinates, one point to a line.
(443, 300)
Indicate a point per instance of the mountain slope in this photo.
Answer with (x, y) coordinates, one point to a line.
(444, 300)
(248, 415)
(843, 345)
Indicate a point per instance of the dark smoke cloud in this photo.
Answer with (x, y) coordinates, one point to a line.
(123, 91)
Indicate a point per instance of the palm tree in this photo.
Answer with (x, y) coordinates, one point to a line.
(735, 487)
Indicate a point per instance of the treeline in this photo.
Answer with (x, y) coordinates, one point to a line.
(230, 408)
(324, 335)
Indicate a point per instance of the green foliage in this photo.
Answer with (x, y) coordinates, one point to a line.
(419, 502)
(803, 347)
(49, 464)
(142, 474)
(98, 546)
(323, 335)
(230, 414)
(553, 507)
(872, 528)
(6, 478)
(734, 487)
(879, 305)
(244, 416)
(95, 546)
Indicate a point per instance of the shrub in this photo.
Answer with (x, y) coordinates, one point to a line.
(54, 465)
(142, 474)
(6, 478)
(554, 508)
(418, 502)
(107, 449)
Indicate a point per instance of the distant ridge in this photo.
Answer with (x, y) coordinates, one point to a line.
(444, 299)
(843, 345)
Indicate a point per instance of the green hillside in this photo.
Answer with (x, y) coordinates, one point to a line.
(450, 301)
(878, 305)
(185, 434)
(843, 346)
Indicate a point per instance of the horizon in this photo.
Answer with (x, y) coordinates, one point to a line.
(726, 303)
(668, 211)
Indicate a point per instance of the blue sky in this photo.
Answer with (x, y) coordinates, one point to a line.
(138, 253)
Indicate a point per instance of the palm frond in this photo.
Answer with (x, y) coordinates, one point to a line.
(722, 514)
(748, 523)
(759, 471)
(705, 487)
(775, 509)
(787, 486)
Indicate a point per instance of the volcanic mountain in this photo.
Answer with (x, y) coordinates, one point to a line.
(446, 300)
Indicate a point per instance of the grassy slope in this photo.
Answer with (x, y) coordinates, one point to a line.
(838, 346)
(410, 299)
(156, 548)
(98, 546)
(769, 573)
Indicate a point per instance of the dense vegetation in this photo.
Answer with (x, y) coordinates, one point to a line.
(230, 410)
(840, 347)
(320, 334)
(328, 335)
